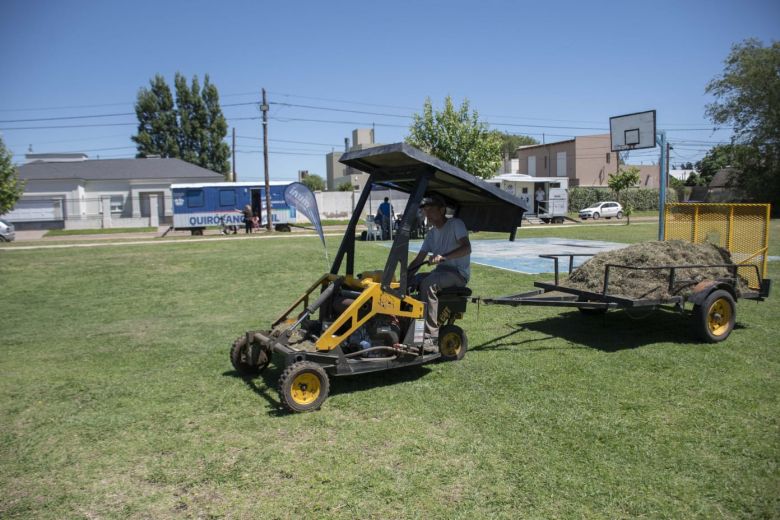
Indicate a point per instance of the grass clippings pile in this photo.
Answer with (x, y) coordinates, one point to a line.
(651, 284)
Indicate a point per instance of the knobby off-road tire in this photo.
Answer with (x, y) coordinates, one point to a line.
(303, 387)
(714, 319)
(240, 358)
(588, 311)
(453, 343)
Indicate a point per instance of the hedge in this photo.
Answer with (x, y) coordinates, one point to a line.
(640, 199)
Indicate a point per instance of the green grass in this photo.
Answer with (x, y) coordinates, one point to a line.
(106, 231)
(118, 400)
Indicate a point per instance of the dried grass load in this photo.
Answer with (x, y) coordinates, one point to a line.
(652, 284)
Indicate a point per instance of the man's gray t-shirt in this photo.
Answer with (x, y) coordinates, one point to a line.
(441, 241)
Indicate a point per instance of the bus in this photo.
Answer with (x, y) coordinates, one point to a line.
(198, 206)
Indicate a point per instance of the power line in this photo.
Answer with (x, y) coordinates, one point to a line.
(62, 118)
(66, 126)
(312, 107)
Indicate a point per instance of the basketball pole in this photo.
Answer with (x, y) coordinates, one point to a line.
(661, 141)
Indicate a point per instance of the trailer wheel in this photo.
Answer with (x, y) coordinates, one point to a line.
(586, 311)
(714, 319)
(303, 387)
(452, 343)
(240, 358)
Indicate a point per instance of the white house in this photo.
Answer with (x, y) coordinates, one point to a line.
(71, 192)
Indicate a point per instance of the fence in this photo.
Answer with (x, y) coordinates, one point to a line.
(742, 229)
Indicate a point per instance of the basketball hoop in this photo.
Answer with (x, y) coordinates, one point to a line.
(632, 131)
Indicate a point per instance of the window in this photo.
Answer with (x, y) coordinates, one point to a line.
(227, 198)
(195, 198)
(117, 204)
(608, 156)
(532, 165)
(561, 166)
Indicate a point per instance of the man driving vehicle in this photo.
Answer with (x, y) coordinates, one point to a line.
(448, 244)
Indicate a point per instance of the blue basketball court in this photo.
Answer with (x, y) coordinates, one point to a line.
(522, 255)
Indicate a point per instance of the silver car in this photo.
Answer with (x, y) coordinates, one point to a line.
(602, 209)
(7, 232)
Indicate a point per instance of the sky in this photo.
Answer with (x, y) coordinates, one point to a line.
(551, 70)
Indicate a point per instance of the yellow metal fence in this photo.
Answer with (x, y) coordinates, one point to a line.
(743, 229)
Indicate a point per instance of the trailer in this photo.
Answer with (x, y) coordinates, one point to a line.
(198, 206)
(711, 304)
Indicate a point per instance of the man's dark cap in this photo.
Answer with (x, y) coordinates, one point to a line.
(433, 200)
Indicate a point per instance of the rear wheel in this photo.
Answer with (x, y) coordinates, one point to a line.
(714, 319)
(596, 216)
(303, 387)
(619, 215)
(452, 343)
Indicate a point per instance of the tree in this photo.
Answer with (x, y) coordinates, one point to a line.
(457, 137)
(11, 188)
(346, 186)
(314, 182)
(511, 142)
(194, 130)
(157, 126)
(747, 96)
(216, 149)
(623, 180)
(717, 158)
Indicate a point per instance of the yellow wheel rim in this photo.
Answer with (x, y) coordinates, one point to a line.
(450, 344)
(305, 388)
(719, 317)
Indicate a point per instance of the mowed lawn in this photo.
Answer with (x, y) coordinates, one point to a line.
(117, 399)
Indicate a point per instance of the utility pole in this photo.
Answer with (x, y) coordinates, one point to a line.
(234, 155)
(661, 140)
(264, 108)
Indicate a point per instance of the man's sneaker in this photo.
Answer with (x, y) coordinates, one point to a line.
(430, 344)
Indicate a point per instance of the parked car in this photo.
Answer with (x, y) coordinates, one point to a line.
(7, 232)
(602, 209)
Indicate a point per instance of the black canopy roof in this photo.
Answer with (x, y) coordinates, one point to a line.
(481, 206)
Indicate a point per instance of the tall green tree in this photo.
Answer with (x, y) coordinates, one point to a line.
(716, 158)
(193, 129)
(511, 142)
(747, 96)
(621, 181)
(458, 137)
(11, 187)
(217, 151)
(157, 125)
(314, 182)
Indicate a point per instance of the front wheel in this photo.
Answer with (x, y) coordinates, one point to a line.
(714, 319)
(452, 343)
(241, 355)
(303, 387)
(596, 216)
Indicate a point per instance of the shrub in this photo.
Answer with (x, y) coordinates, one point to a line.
(640, 199)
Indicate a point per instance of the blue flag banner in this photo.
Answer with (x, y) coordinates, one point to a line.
(300, 197)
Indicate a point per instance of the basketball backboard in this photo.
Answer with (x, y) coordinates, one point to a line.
(632, 131)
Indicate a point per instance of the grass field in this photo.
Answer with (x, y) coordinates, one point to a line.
(106, 231)
(117, 400)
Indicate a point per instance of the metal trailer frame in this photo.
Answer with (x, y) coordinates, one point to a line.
(590, 302)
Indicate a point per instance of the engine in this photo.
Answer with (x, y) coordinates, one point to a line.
(380, 331)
